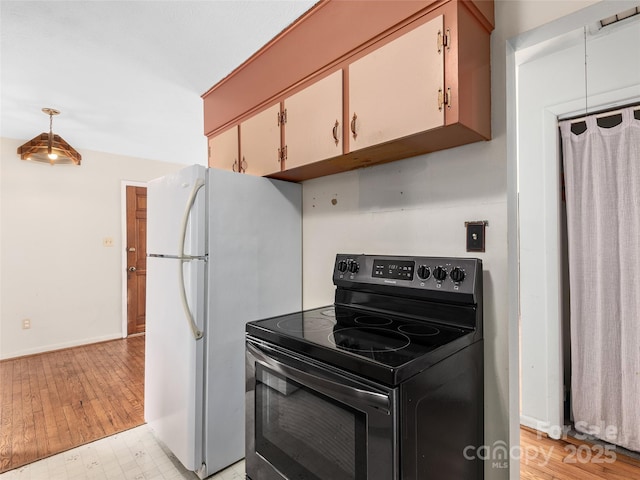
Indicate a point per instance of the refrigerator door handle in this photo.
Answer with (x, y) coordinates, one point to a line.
(197, 333)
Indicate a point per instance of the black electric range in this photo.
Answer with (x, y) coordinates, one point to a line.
(385, 384)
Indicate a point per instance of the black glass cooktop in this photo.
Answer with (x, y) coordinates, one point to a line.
(387, 348)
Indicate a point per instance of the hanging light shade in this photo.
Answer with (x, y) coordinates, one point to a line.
(48, 147)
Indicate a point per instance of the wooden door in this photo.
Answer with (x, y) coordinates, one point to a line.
(136, 258)
(224, 150)
(393, 91)
(313, 130)
(260, 142)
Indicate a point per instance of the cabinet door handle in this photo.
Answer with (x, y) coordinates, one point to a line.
(243, 165)
(234, 167)
(335, 132)
(353, 126)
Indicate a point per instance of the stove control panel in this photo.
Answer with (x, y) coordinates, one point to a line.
(415, 276)
(395, 269)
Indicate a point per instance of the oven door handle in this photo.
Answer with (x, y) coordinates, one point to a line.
(338, 391)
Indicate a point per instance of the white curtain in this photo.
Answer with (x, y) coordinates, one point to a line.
(602, 181)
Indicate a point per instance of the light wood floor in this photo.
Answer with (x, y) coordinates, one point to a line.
(55, 401)
(546, 459)
(58, 400)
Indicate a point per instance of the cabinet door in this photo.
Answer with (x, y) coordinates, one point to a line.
(393, 91)
(223, 150)
(313, 129)
(260, 142)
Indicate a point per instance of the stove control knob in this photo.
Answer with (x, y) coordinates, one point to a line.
(457, 275)
(354, 267)
(439, 273)
(342, 266)
(423, 272)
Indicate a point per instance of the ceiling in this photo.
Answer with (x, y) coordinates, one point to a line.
(126, 75)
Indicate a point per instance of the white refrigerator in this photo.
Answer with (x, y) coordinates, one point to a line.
(223, 249)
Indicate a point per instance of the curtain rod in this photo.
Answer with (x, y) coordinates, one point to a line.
(599, 112)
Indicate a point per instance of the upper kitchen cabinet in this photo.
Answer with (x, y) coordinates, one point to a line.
(224, 149)
(260, 152)
(313, 122)
(394, 90)
(393, 79)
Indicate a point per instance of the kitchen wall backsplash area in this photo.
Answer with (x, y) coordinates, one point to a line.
(418, 206)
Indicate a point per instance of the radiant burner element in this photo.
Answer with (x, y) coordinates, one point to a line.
(369, 340)
(420, 330)
(373, 321)
(309, 324)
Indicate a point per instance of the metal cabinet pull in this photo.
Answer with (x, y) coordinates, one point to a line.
(243, 165)
(234, 167)
(335, 132)
(282, 154)
(444, 40)
(282, 117)
(444, 98)
(353, 126)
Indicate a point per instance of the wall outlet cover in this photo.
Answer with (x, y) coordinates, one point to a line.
(475, 236)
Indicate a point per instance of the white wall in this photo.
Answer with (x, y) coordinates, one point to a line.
(54, 269)
(553, 84)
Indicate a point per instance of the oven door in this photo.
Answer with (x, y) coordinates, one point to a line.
(305, 421)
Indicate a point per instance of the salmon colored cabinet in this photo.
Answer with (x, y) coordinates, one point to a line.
(260, 143)
(393, 91)
(393, 80)
(223, 150)
(307, 130)
(313, 126)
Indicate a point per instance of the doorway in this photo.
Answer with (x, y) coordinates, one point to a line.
(134, 257)
(542, 274)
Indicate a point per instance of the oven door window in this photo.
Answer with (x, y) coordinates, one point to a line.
(305, 434)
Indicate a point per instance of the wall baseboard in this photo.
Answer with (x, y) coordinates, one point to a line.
(552, 431)
(60, 346)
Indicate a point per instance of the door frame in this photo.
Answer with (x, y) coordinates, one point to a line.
(123, 254)
(547, 130)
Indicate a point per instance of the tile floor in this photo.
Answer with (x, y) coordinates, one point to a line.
(131, 455)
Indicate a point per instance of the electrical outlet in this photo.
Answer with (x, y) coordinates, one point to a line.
(26, 324)
(107, 242)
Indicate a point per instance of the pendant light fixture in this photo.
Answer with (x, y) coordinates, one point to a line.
(48, 147)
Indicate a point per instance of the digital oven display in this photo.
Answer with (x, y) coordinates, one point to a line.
(397, 270)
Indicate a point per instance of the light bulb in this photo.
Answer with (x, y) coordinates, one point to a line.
(52, 156)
